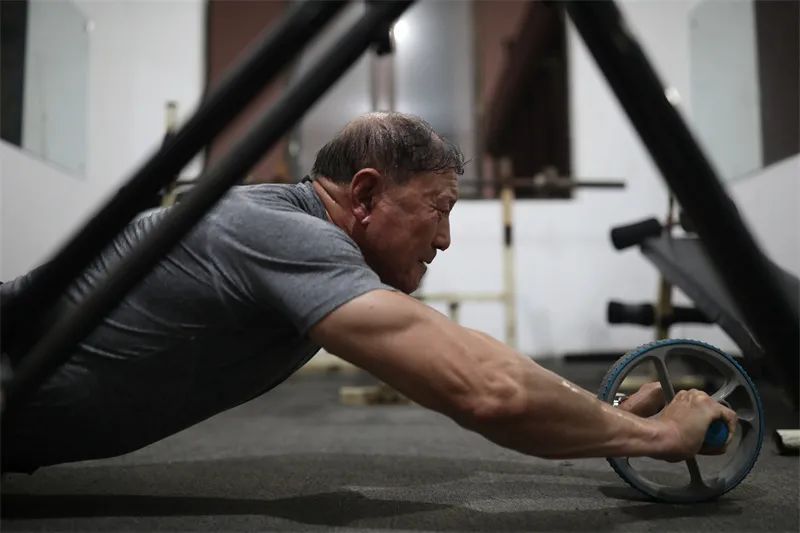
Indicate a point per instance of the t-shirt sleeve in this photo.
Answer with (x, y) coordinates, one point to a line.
(292, 263)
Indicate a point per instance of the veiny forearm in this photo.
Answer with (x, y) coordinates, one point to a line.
(554, 418)
(481, 383)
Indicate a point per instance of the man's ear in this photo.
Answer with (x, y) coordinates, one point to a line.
(365, 188)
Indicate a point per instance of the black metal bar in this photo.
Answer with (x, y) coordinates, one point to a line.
(561, 183)
(733, 250)
(239, 86)
(599, 184)
(55, 347)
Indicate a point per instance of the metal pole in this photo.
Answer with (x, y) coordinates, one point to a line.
(504, 172)
(55, 347)
(734, 252)
(663, 308)
(21, 315)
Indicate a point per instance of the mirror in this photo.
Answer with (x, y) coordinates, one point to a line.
(45, 66)
(744, 83)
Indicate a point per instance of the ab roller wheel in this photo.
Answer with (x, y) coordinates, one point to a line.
(672, 362)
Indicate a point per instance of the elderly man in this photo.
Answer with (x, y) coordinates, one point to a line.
(275, 272)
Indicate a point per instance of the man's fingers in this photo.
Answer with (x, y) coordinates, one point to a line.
(725, 413)
(731, 419)
(645, 402)
(720, 412)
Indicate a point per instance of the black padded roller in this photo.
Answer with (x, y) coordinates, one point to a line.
(624, 236)
(686, 222)
(645, 314)
(688, 314)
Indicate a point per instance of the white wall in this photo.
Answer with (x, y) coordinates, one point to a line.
(770, 203)
(56, 86)
(141, 54)
(725, 88)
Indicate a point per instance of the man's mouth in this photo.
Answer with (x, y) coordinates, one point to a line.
(427, 262)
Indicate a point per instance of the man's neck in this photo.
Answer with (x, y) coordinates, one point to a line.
(336, 202)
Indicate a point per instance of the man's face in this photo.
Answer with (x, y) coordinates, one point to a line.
(408, 224)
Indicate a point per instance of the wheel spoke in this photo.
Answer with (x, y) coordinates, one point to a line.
(694, 472)
(726, 390)
(745, 427)
(664, 379)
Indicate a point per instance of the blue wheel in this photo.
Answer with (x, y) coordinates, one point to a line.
(703, 477)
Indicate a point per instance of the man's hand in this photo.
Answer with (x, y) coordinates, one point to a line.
(649, 401)
(686, 419)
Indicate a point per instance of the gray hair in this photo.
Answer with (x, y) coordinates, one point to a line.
(395, 143)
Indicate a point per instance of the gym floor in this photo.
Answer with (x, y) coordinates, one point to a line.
(296, 459)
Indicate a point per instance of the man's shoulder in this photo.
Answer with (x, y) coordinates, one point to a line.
(281, 220)
(276, 198)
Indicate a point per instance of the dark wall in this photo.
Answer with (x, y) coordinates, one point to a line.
(527, 109)
(13, 30)
(233, 25)
(778, 72)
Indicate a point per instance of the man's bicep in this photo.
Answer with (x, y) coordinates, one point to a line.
(402, 342)
(374, 328)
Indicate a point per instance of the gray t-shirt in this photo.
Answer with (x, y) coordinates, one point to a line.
(220, 320)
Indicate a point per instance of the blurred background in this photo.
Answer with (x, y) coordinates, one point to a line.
(90, 89)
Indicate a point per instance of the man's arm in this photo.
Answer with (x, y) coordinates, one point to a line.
(485, 386)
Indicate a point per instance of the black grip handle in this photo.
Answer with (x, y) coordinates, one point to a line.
(624, 236)
(620, 313)
(717, 434)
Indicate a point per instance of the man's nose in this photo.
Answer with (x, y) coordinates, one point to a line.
(442, 239)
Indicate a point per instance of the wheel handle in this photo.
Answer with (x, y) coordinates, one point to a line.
(717, 434)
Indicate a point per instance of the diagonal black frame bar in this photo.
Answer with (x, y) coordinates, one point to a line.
(54, 348)
(21, 315)
(734, 253)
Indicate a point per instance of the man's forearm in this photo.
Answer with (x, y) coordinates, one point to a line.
(557, 419)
